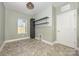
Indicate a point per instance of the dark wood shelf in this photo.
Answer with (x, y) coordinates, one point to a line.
(41, 19)
(42, 23)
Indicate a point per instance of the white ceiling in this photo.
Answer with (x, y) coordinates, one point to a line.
(38, 6)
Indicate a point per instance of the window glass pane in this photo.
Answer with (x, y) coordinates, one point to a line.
(21, 27)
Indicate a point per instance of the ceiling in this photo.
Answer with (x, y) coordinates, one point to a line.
(38, 6)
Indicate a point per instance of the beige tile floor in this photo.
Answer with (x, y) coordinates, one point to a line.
(31, 47)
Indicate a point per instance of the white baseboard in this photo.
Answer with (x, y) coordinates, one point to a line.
(47, 42)
(50, 43)
(2, 46)
(37, 38)
(12, 40)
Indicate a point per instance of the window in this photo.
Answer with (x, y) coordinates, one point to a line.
(21, 26)
(65, 8)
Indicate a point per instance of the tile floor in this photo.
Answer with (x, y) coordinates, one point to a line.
(33, 47)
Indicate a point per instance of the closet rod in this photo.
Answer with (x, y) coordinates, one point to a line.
(41, 19)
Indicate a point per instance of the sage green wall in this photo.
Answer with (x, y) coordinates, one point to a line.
(78, 30)
(78, 27)
(11, 18)
(47, 32)
(2, 22)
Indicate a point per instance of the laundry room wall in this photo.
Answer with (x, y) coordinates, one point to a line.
(2, 23)
(46, 31)
(11, 18)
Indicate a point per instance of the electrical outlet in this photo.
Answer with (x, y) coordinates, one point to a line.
(40, 37)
